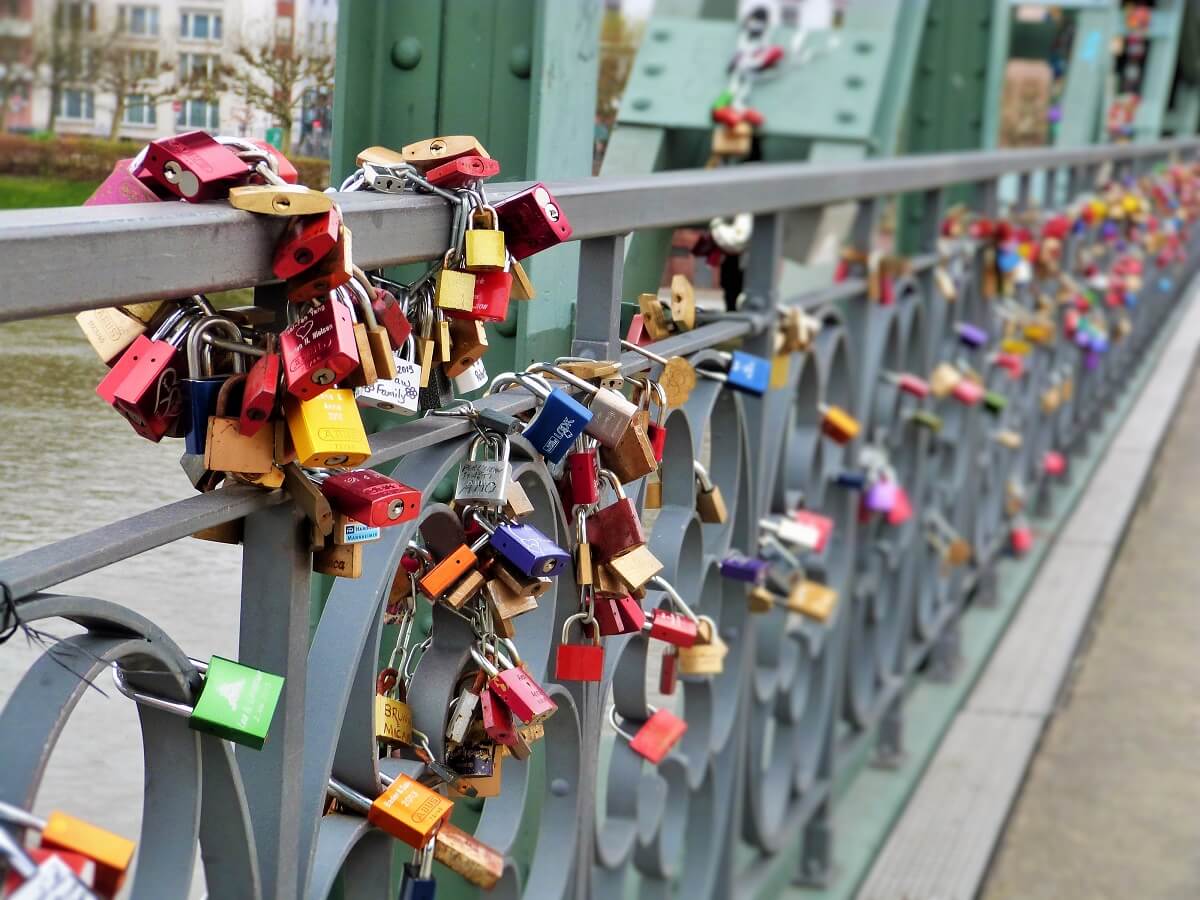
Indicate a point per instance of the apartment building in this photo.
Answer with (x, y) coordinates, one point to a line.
(172, 46)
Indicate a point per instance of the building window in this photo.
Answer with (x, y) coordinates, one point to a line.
(200, 26)
(139, 20)
(75, 15)
(139, 110)
(143, 63)
(198, 114)
(197, 66)
(77, 103)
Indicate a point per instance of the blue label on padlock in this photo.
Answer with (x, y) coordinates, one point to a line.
(749, 373)
(560, 421)
(529, 550)
(355, 533)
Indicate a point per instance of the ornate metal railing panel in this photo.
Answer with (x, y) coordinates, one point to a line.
(744, 803)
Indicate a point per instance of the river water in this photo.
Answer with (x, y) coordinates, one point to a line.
(73, 464)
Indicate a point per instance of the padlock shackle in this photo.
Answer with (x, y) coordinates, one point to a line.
(21, 817)
(570, 378)
(15, 854)
(195, 338)
(702, 476)
(364, 303)
(489, 667)
(612, 719)
(577, 617)
(345, 794)
(789, 557)
(170, 706)
(614, 482)
(669, 589)
(649, 354)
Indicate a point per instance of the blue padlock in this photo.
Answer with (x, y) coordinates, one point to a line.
(417, 881)
(851, 480)
(1131, 299)
(526, 548)
(559, 422)
(747, 373)
(200, 388)
(744, 568)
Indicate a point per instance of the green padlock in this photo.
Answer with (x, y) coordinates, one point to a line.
(926, 419)
(236, 702)
(994, 402)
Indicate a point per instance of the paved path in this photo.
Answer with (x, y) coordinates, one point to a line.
(1109, 808)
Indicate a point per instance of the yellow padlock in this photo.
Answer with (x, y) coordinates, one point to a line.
(1015, 347)
(453, 289)
(327, 430)
(483, 247)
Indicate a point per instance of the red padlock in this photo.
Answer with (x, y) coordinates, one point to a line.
(390, 315)
(967, 392)
(283, 165)
(657, 736)
(1054, 464)
(668, 672)
(658, 439)
(1011, 363)
(83, 867)
(318, 349)
(121, 186)
(192, 165)
(260, 390)
(516, 689)
(901, 510)
(672, 628)
(637, 331)
(753, 116)
(819, 528)
(583, 468)
(618, 614)
(148, 395)
(578, 662)
(371, 498)
(532, 221)
(913, 385)
(726, 115)
(497, 720)
(1021, 539)
(458, 173)
(616, 528)
(490, 303)
(305, 242)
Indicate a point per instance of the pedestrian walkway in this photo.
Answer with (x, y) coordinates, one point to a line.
(1109, 807)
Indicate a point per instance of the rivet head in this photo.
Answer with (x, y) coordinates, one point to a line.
(641, 103)
(406, 53)
(520, 60)
(560, 787)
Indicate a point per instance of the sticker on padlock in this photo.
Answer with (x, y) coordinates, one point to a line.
(400, 394)
(236, 702)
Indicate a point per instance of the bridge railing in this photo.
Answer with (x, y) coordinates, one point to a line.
(745, 803)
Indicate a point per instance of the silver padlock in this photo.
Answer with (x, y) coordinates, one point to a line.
(484, 480)
(398, 395)
(798, 534)
(464, 712)
(472, 379)
(611, 412)
(382, 178)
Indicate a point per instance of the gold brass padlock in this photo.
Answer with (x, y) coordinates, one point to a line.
(110, 331)
(707, 655)
(522, 287)
(462, 853)
(342, 560)
(809, 598)
(710, 504)
(380, 156)
(483, 243)
(635, 567)
(632, 457)
(468, 342)
(517, 504)
(280, 199)
(735, 140)
(435, 151)
(653, 319)
(506, 602)
(393, 720)
(683, 303)
(453, 289)
(760, 600)
(226, 449)
(943, 380)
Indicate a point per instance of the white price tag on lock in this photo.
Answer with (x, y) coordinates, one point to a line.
(53, 880)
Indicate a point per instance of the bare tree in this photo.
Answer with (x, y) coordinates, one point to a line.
(63, 50)
(122, 71)
(272, 75)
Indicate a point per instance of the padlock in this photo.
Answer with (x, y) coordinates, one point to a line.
(747, 373)
(943, 380)
(466, 589)
(707, 655)
(280, 200)
(318, 349)
(480, 768)
(618, 614)
(379, 345)
(578, 662)
(348, 531)
(683, 303)
(656, 431)
(400, 394)
(469, 857)
(584, 570)
(532, 221)
(51, 873)
(671, 628)
(516, 689)
(1054, 464)
(677, 378)
(611, 413)
(100, 857)
(505, 602)
(815, 529)
(438, 579)
(393, 720)
(122, 186)
(517, 504)
(971, 336)
(192, 165)
(427, 154)
(880, 496)
(328, 273)
(144, 385)
(327, 430)
(733, 140)
(1020, 538)
(901, 510)
(838, 425)
(526, 548)
(635, 567)
(261, 389)
(557, 424)
(744, 568)
(468, 342)
(616, 528)
(453, 290)
(461, 172)
(633, 455)
(532, 586)
(226, 448)
(907, 383)
(472, 379)
(809, 598)
(657, 735)
(365, 373)
(236, 702)
(409, 811)
(483, 242)
(484, 480)
(522, 287)
(583, 468)
(416, 877)
(201, 387)
(391, 316)
(710, 504)
(668, 671)
(489, 302)
(968, 392)
(372, 498)
(654, 321)
(110, 331)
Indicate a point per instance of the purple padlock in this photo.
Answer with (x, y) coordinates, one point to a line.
(1099, 343)
(1091, 361)
(971, 335)
(881, 496)
(744, 568)
(1083, 339)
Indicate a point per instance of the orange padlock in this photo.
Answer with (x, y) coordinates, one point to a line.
(838, 425)
(409, 811)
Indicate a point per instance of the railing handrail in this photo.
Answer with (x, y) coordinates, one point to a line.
(68, 259)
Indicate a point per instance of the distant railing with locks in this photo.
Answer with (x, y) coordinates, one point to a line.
(743, 804)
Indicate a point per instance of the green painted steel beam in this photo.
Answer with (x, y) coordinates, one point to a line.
(1159, 73)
